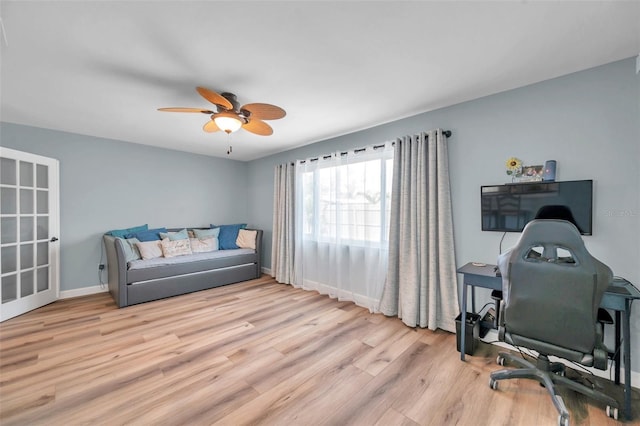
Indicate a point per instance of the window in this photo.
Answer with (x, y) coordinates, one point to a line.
(347, 200)
(342, 224)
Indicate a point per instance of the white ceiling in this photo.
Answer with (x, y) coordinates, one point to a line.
(103, 68)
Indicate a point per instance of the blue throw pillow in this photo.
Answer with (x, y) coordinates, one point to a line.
(229, 235)
(130, 249)
(148, 235)
(173, 236)
(207, 233)
(122, 233)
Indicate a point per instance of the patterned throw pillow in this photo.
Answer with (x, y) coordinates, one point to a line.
(175, 248)
(203, 245)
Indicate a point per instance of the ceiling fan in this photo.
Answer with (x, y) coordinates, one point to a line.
(229, 116)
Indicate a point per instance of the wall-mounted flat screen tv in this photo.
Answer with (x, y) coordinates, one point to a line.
(509, 207)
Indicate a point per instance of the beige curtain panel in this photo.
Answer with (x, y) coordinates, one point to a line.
(421, 286)
(282, 242)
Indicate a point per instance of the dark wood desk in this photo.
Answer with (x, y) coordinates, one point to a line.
(618, 297)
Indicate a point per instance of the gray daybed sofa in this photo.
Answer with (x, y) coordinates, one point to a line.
(141, 281)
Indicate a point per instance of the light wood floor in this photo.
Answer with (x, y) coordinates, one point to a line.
(253, 353)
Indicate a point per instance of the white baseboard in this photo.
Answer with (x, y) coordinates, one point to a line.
(266, 271)
(492, 337)
(84, 291)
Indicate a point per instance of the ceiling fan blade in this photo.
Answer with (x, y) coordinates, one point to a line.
(258, 127)
(214, 98)
(180, 109)
(210, 126)
(264, 111)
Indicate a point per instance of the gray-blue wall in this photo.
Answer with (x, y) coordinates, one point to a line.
(588, 121)
(108, 184)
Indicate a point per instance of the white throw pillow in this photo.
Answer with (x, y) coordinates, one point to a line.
(150, 249)
(246, 239)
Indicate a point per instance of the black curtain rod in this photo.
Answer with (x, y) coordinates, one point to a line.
(446, 133)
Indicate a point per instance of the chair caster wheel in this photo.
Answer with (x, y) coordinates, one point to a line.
(500, 360)
(563, 421)
(493, 384)
(612, 412)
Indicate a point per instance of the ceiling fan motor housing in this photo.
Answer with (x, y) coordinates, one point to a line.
(232, 99)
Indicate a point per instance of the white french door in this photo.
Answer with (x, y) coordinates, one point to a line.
(30, 222)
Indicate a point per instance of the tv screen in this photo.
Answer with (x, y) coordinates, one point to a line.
(508, 208)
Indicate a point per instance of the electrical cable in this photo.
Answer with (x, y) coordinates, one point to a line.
(500, 246)
(485, 305)
(613, 356)
(101, 265)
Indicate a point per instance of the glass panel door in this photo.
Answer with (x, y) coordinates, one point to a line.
(29, 222)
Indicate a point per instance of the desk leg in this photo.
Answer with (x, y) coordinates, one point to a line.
(473, 300)
(617, 348)
(463, 321)
(626, 335)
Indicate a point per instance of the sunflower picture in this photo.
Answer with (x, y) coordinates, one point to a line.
(514, 166)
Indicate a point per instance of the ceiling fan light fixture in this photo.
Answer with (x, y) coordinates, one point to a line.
(228, 122)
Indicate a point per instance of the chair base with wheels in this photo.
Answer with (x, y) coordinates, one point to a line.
(549, 374)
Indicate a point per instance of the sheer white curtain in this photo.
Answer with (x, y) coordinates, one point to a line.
(282, 248)
(421, 288)
(342, 219)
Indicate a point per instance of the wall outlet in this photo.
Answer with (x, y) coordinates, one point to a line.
(101, 267)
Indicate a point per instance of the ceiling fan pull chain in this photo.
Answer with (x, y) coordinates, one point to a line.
(230, 150)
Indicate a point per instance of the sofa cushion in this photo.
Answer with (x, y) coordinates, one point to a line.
(122, 233)
(175, 248)
(150, 249)
(148, 235)
(246, 239)
(229, 235)
(162, 267)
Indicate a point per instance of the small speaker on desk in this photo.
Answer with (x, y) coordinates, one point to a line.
(549, 171)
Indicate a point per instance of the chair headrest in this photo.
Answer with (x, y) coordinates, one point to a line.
(552, 231)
